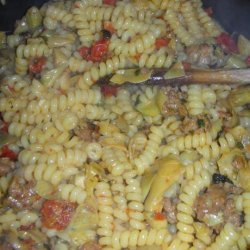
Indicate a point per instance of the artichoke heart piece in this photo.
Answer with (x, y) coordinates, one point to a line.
(230, 163)
(147, 181)
(243, 45)
(148, 108)
(33, 17)
(235, 62)
(154, 106)
(84, 222)
(50, 76)
(177, 70)
(60, 41)
(170, 170)
(131, 76)
(239, 97)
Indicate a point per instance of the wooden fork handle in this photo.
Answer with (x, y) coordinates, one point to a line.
(239, 76)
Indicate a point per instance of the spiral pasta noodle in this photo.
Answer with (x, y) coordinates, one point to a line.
(33, 136)
(62, 102)
(104, 68)
(94, 13)
(87, 31)
(72, 193)
(18, 129)
(21, 66)
(10, 220)
(185, 229)
(72, 156)
(105, 203)
(45, 172)
(134, 47)
(195, 104)
(197, 167)
(227, 238)
(134, 197)
(118, 191)
(116, 161)
(210, 26)
(32, 50)
(95, 112)
(125, 108)
(12, 104)
(150, 153)
(78, 65)
(181, 32)
(191, 20)
(61, 15)
(153, 60)
(192, 141)
(215, 149)
(144, 237)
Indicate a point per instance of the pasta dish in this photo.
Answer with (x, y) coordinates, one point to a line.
(90, 163)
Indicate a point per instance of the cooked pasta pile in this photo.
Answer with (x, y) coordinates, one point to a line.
(86, 164)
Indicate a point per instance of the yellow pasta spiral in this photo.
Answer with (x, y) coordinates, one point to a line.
(153, 60)
(72, 157)
(151, 150)
(45, 172)
(32, 50)
(134, 47)
(134, 197)
(103, 69)
(226, 239)
(185, 229)
(215, 149)
(180, 31)
(61, 15)
(21, 66)
(133, 238)
(72, 193)
(118, 191)
(105, 211)
(63, 102)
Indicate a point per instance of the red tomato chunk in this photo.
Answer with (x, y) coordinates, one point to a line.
(84, 52)
(109, 90)
(6, 152)
(227, 43)
(161, 42)
(36, 65)
(57, 214)
(97, 52)
(4, 127)
(209, 11)
(159, 216)
(109, 2)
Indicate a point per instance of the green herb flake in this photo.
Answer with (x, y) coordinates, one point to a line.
(239, 145)
(201, 123)
(138, 72)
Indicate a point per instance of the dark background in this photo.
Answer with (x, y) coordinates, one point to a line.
(233, 15)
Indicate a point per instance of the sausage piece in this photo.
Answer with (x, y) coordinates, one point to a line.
(21, 194)
(218, 199)
(87, 132)
(169, 207)
(91, 245)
